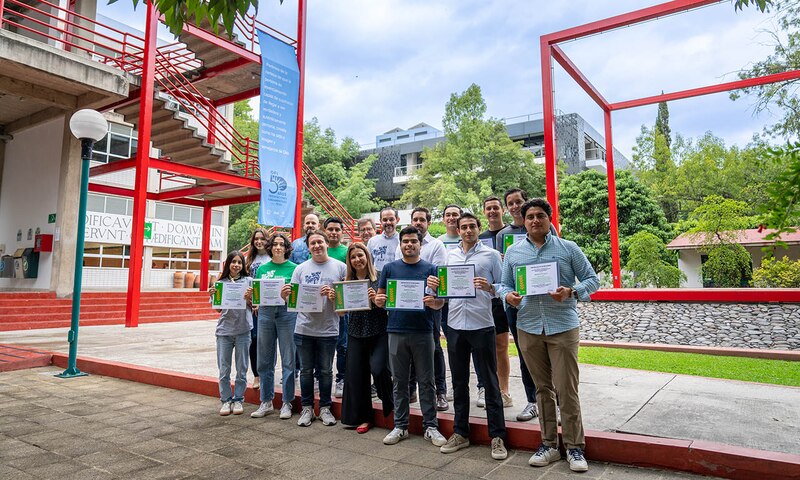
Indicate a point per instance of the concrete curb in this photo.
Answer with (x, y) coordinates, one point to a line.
(699, 457)
(789, 355)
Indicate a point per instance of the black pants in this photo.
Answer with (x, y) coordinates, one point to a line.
(254, 349)
(527, 381)
(366, 357)
(461, 345)
(439, 368)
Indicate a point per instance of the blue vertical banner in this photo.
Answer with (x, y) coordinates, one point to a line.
(277, 134)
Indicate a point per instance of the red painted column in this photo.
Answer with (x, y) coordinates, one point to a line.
(212, 126)
(550, 160)
(613, 222)
(142, 169)
(205, 247)
(297, 231)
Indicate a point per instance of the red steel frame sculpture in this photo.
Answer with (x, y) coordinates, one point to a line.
(550, 51)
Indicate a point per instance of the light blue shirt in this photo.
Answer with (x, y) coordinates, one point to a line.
(475, 313)
(540, 313)
(300, 251)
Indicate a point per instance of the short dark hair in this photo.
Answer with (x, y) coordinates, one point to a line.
(394, 210)
(452, 205)
(492, 198)
(468, 215)
(512, 191)
(330, 220)
(411, 231)
(423, 210)
(538, 202)
(321, 233)
(287, 244)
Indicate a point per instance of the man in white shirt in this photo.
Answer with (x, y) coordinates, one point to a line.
(470, 332)
(383, 246)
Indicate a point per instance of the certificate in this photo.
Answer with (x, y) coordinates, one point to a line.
(537, 279)
(456, 281)
(229, 296)
(352, 296)
(305, 297)
(267, 292)
(512, 238)
(405, 294)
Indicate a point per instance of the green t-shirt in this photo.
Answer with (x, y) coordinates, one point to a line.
(339, 253)
(276, 270)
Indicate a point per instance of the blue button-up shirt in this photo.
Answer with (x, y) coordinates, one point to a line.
(300, 251)
(474, 313)
(540, 313)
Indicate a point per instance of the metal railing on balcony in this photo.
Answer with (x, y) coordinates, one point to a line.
(406, 170)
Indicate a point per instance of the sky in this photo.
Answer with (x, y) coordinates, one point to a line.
(373, 65)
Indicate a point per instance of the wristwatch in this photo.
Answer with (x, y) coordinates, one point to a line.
(573, 293)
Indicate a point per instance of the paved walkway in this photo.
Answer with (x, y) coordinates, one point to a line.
(100, 428)
(763, 417)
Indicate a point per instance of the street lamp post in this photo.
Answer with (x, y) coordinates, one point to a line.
(89, 126)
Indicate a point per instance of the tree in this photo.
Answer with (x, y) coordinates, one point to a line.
(650, 262)
(357, 192)
(240, 227)
(662, 122)
(773, 273)
(218, 12)
(781, 210)
(243, 121)
(477, 159)
(718, 222)
(583, 207)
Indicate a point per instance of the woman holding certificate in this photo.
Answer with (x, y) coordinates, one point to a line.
(367, 344)
(275, 325)
(316, 331)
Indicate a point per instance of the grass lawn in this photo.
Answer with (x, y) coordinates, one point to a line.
(777, 372)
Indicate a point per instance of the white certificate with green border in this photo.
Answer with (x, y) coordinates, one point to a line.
(405, 295)
(229, 296)
(512, 238)
(537, 279)
(352, 295)
(267, 292)
(456, 281)
(305, 297)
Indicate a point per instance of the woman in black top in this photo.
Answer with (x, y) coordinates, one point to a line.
(367, 349)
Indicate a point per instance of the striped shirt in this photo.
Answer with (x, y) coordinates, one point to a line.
(474, 313)
(540, 313)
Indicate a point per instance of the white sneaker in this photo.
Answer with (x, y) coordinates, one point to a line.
(225, 410)
(528, 413)
(237, 408)
(326, 416)
(395, 436)
(577, 462)
(263, 410)
(339, 389)
(544, 456)
(499, 451)
(286, 411)
(306, 417)
(432, 434)
(481, 398)
(507, 400)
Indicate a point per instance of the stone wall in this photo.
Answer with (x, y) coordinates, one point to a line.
(762, 325)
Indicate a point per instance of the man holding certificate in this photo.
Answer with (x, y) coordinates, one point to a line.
(544, 268)
(401, 290)
(311, 295)
(467, 281)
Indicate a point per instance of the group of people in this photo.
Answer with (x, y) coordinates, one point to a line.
(396, 354)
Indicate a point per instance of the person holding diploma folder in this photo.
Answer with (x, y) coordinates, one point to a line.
(402, 291)
(368, 349)
(471, 332)
(276, 325)
(548, 327)
(316, 332)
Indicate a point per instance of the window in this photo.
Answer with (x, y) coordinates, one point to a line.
(424, 132)
(119, 144)
(401, 137)
(216, 218)
(109, 204)
(177, 259)
(106, 256)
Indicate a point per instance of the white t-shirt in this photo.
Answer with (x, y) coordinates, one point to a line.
(325, 323)
(383, 249)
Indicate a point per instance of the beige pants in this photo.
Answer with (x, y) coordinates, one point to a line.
(553, 363)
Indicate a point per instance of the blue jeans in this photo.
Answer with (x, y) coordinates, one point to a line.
(236, 345)
(275, 324)
(316, 354)
(341, 348)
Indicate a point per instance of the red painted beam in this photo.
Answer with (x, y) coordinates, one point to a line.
(112, 167)
(197, 172)
(191, 191)
(133, 97)
(579, 77)
(221, 43)
(613, 221)
(722, 295)
(549, 123)
(212, 72)
(696, 92)
(625, 19)
(205, 247)
(234, 201)
(253, 92)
